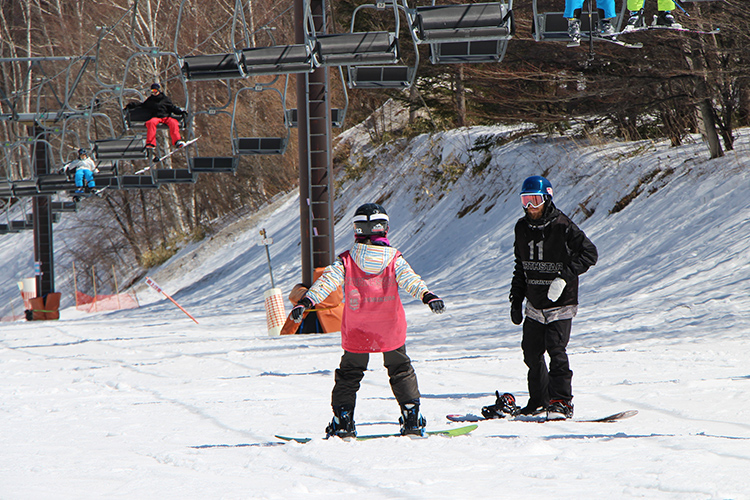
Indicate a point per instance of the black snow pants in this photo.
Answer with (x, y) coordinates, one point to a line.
(352, 368)
(551, 338)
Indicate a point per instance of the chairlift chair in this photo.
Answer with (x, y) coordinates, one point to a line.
(6, 189)
(127, 148)
(174, 176)
(472, 51)
(29, 220)
(213, 67)
(278, 60)
(337, 117)
(206, 67)
(63, 206)
(107, 167)
(26, 187)
(241, 63)
(466, 33)
(214, 164)
(393, 76)
(20, 225)
(553, 26)
(260, 145)
(107, 179)
(137, 182)
(52, 183)
(136, 118)
(354, 48)
(450, 23)
(373, 47)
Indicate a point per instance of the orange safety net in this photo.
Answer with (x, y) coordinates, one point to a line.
(97, 303)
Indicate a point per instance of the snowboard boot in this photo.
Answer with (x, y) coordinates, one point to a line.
(559, 410)
(532, 408)
(504, 405)
(342, 424)
(412, 422)
(574, 31)
(606, 30)
(666, 19)
(635, 21)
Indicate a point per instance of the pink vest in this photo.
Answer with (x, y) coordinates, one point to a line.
(373, 319)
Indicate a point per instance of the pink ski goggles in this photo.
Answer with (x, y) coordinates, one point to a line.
(535, 200)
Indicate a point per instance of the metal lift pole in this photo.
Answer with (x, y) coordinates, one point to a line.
(315, 161)
(42, 212)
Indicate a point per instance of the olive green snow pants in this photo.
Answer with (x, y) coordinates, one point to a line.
(662, 5)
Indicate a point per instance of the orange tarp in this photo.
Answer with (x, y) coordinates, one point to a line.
(41, 309)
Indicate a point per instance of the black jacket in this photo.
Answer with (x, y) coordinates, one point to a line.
(544, 249)
(159, 105)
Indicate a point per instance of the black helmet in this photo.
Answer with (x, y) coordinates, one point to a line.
(82, 152)
(370, 220)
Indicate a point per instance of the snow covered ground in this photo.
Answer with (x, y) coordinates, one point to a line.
(146, 404)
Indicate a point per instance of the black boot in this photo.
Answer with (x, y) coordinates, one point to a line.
(532, 408)
(504, 405)
(412, 422)
(666, 19)
(635, 21)
(342, 424)
(559, 409)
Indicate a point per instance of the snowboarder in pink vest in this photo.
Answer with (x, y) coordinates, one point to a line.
(371, 273)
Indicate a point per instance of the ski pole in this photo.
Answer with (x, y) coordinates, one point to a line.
(265, 241)
(681, 7)
(156, 287)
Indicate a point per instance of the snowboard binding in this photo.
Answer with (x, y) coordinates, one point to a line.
(504, 405)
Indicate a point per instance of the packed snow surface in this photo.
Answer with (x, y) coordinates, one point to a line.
(147, 404)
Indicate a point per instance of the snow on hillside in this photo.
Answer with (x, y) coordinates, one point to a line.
(146, 404)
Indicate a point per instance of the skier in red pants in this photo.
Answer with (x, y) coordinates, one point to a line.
(161, 109)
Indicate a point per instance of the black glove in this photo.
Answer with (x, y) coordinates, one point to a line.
(300, 308)
(568, 274)
(436, 303)
(516, 312)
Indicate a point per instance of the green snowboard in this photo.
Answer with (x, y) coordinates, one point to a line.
(458, 431)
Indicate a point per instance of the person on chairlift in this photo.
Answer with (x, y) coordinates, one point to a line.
(161, 109)
(573, 15)
(664, 18)
(82, 170)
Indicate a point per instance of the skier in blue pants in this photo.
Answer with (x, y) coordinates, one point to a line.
(573, 15)
(83, 169)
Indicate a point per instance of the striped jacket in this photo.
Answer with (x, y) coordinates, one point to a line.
(372, 259)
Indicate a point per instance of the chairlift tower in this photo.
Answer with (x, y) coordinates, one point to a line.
(44, 261)
(315, 159)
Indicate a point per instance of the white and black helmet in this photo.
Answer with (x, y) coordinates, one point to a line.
(370, 220)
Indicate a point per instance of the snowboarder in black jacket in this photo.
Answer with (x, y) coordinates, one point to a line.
(550, 253)
(161, 109)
